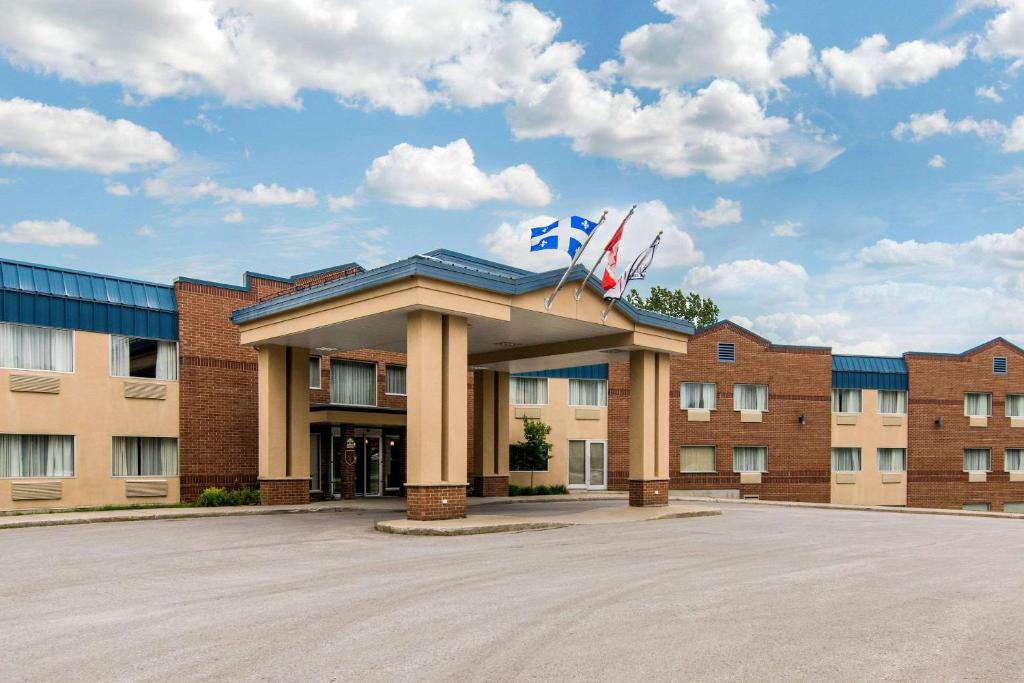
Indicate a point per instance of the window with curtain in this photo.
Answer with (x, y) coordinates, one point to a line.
(698, 396)
(394, 380)
(588, 392)
(36, 455)
(978, 405)
(1014, 459)
(315, 381)
(1013, 507)
(977, 507)
(1015, 405)
(28, 347)
(143, 358)
(529, 391)
(892, 460)
(353, 383)
(846, 400)
(697, 459)
(314, 463)
(846, 460)
(750, 459)
(144, 456)
(750, 397)
(977, 460)
(892, 402)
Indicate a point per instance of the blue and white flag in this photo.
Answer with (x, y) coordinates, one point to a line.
(567, 234)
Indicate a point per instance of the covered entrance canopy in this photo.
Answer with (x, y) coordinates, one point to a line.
(451, 313)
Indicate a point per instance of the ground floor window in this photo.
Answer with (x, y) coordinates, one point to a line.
(519, 461)
(144, 456)
(846, 460)
(750, 459)
(977, 460)
(696, 458)
(892, 460)
(1014, 459)
(977, 507)
(1013, 507)
(36, 455)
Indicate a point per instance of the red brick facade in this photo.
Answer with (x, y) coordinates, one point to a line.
(284, 491)
(428, 503)
(490, 486)
(648, 492)
(935, 457)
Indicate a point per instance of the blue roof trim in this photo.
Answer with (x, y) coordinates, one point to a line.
(581, 372)
(869, 372)
(458, 269)
(249, 275)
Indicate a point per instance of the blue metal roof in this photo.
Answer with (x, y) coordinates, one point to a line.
(457, 268)
(869, 372)
(581, 372)
(32, 294)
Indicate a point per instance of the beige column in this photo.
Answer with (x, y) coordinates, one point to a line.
(298, 414)
(490, 433)
(283, 396)
(648, 428)
(272, 397)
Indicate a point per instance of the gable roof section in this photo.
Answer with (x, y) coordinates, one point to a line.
(758, 338)
(869, 372)
(969, 352)
(32, 294)
(249, 276)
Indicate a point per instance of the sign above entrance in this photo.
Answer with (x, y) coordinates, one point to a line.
(351, 443)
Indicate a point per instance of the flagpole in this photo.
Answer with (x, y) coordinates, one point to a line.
(579, 290)
(628, 276)
(579, 254)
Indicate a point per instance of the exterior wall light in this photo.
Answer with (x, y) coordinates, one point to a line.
(938, 421)
(802, 419)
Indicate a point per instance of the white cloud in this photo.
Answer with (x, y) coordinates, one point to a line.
(723, 212)
(58, 233)
(367, 246)
(937, 161)
(166, 187)
(44, 136)
(1004, 34)
(117, 189)
(6, 181)
(448, 178)
(753, 279)
(920, 126)
(235, 216)
(712, 39)
(987, 251)
(872, 65)
(787, 228)
(340, 203)
(989, 93)
(510, 243)
(146, 231)
(203, 121)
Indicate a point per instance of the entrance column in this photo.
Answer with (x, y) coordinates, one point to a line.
(283, 390)
(648, 428)
(436, 374)
(490, 433)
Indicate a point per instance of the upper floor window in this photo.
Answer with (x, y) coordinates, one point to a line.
(135, 456)
(846, 460)
(140, 357)
(750, 459)
(892, 402)
(353, 383)
(978, 405)
(28, 347)
(1014, 459)
(394, 380)
(698, 396)
(750, 397)
(315, 381)
(726, 352)
(846, 400)
(588, 392)
(1015, 405)
(977, 460)
(529, 391)
(999, 365)
(36, 455)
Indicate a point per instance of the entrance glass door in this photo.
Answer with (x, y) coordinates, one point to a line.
(369, 463)
(588, 464)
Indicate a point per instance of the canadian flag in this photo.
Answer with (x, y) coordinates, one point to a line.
(610, 280)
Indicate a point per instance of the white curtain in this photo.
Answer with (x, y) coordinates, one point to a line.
(314, 372)
(166, 360)
(31, 455)
(394, 379)
(977, 459)
(120, 356)
(26, 347)
(846, 460)
(977, 405)
(749, 459)
(699, 395)
(588, 392)
(353, 383)
(135, 456)
(125, 454)
(846, 400)
(529, 390)
(892, 402)
(1015, 405)
(1014, 459)
(892, 460)
(750, 397)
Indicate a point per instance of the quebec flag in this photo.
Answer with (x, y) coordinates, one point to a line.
(567, 234)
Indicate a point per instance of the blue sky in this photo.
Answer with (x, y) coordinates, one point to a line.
(848, 175)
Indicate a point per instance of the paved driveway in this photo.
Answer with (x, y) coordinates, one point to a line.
(758, 593)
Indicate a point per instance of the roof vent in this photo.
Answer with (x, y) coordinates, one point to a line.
(726, 352)
(999, 366)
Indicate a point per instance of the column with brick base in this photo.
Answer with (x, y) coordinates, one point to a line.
(283, 425)
(490, 433)
(648, 428)
(436, 374)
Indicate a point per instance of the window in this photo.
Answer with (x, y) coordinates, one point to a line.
(353, 384)
(698, 395)
(750, 459)
(36, 455)
(314, 463)
(529, 391)
(394, 380)
(977, 507)
(135, 456)
(726, 352)
(26, 347)
(750, 397)
(588, 392)
(697, 459)
(145, 358)
(1013, 507)
(892, 402)
(846, 460)
(518, 460)
(977, 460)
(1015, 405)
(892, 460)
(314, 372)
(978, 405)
(999, 365)
(1015, 460)
(846, 400)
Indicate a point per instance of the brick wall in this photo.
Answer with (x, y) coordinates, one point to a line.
(935, 476)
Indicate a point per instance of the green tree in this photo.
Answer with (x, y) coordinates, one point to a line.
(534, 449)
(701, 311)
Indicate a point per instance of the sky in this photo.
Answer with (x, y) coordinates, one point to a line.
(840, 174)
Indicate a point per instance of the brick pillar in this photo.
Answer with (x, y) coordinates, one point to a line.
(648, 428)
(490, 433)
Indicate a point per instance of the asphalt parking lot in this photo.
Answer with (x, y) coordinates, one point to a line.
(757, 593)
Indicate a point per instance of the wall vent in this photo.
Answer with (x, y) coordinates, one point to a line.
(999, 365)
(36, 490)
(726, 352)
(145, 488)
(37, 384)
(150, 390)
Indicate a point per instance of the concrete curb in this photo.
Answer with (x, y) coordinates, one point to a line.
(854, 508)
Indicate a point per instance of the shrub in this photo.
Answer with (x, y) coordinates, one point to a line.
(541, 490)
(218, 497)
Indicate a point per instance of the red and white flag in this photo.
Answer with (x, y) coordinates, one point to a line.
(610, 279)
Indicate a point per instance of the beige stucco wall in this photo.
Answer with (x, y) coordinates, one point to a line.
(869, 434)
(564, 426)
(90, 406)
